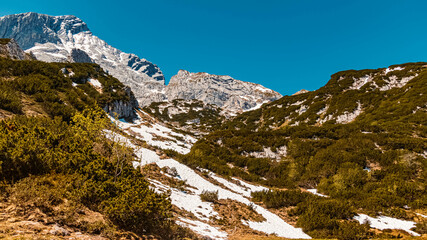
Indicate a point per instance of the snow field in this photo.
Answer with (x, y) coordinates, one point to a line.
(204, 211)
(169, 139)
(202, 228)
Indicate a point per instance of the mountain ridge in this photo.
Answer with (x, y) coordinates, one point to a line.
(52, 38)
(68, 38)
(232, 95)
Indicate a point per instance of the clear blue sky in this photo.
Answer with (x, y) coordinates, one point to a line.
(286, 45)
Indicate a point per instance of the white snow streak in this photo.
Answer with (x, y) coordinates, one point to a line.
(191, 202)
(158, 135)
(383, 222)
(95, 83)
(314, 191)
(202, 228)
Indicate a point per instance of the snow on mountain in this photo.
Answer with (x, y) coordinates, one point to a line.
(232, 95)
(273, 223)
(59, 38)
(68, 38)
(384, 80)
(155, 134)
(384, 222)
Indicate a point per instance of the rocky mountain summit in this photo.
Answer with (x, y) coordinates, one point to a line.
(68, 39)
(230, 94)
(61, 38)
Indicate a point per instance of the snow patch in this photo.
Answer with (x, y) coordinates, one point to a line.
(393, 69)
(314, 191)
(383, 222)
(358, 83)
(268, 153)
(202, 228)
(259, 105)
(95, 83)
(191, 201)
(395, 82)
(158, 135)
(297, 103)
(348, 117)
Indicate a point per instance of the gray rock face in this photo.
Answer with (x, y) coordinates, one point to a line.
(123, 109)
(9, 48)
(302, 91)
(232, 95)
(79, 56)
(53, 38)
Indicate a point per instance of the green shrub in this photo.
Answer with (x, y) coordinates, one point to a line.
(352, 230)
(137, 208)
(209, 196)
(10, 99)
(43, 192)
(278, 199)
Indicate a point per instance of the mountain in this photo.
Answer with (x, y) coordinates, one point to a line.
(360, 142)
(349, 95)
(192, 116)
(61, 38)
(210, 158)
(68, 39)
(232, 95)
(80, 174)
(58, 89)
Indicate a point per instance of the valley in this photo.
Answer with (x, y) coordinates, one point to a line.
(94, 145)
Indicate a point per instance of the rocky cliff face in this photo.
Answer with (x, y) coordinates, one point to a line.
(9, 48)
(59, 38)
(79, 56)
(123, 109)
(230, 94)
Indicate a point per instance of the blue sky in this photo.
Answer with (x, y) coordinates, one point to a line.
(284, 45)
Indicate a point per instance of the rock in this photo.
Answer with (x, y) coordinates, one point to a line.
(59, 231)
(300, 92)
(231, 95)
(9, 48)
(172, 171)
(79, 56)
(122, 109)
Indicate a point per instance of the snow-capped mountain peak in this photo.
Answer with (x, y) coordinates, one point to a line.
(53, 38)
(68, 38)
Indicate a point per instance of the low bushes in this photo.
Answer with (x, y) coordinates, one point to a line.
(209, 196)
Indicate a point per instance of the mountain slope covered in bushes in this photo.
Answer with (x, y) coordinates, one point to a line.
(360, 139)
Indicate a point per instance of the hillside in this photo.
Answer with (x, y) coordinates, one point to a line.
(61, 175)
(69, 171)
(360, 139)
(80, 159)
